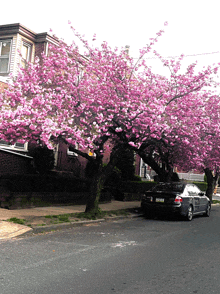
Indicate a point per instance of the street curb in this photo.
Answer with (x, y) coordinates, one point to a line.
(63, 226)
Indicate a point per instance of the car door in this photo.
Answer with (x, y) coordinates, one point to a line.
(198, 198)
(195, 197)
(203, 199)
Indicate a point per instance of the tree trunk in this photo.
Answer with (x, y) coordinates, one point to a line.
(163, 174)
(96, 187)
(211, 181)
(98, 181)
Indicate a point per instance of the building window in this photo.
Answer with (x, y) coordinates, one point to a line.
(16, 146)
(70, 150)
(5, 49)
(25, 53)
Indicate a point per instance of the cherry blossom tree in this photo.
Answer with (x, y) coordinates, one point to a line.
(104, 98)
(209, 149)
(82, 100)
(182, 137)
(178, 135)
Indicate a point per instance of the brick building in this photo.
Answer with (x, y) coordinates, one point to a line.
(19, 45)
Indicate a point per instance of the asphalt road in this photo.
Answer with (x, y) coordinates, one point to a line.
(126, 256)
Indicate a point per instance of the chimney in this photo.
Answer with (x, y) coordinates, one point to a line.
(127, 47)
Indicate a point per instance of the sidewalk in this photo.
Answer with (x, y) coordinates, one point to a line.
(9, 230)
(35, 215)
(216, 197)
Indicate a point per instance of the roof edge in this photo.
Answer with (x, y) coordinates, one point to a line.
(17, 28)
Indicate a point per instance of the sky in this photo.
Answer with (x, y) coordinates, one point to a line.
(193, 25)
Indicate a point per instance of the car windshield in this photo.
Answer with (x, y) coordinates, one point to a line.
(174, 187)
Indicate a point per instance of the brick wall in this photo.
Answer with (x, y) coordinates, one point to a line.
(14, 164)
(74, 164)
(39, 48)
(2, 86)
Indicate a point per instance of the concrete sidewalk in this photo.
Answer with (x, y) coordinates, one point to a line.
(9, 230)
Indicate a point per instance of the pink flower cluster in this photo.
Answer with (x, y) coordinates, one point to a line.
(84, 98)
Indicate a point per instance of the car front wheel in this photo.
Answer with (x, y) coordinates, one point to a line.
(189, 214)
(208, 210)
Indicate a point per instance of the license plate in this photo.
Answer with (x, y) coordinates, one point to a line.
(159, 199)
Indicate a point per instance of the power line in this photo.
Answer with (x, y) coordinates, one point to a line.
(183, 55)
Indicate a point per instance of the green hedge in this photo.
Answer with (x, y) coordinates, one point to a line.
(202, 185)
(67, 183)
(69, 189)
(136, 186)
(44, 183)
(141, 187)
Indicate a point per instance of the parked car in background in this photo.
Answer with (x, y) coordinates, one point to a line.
(178, 198)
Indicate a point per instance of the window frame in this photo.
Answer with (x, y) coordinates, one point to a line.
(72, 153)
(5, 56)
(9, 146)
(29, 46)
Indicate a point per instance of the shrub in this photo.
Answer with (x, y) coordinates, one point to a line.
(202, 185)
(137, 187)
(136, 178)
(126, 165)
(44, 183)
(43, 159)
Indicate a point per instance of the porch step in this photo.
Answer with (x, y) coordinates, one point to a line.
(218, 190)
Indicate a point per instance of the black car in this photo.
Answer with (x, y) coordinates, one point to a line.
(177, 197)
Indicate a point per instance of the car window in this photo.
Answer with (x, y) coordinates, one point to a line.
(190, 190)
(193, 190)
(196, 189)
(164, 187)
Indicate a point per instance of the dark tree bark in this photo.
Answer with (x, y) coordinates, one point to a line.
(97, 183)
(211, 181)
(164, 172)
(101, 174)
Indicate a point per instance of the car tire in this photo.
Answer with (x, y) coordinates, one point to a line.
(208, 210)
(147, 213)
(189, 214)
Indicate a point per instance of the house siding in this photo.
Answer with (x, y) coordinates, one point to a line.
(39, 48)
(13, 55)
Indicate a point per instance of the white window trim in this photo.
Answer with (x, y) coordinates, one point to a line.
(4, 56)
(14, 147)
(72, 153)
(29, 46)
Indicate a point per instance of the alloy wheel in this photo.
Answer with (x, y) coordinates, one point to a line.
(208, 210)
(189, 213)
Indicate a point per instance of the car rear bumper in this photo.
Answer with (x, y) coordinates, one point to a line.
(165, 209)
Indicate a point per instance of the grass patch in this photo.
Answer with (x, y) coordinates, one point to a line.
(215, 202)
(17, 220)
(100, 214)
(70, 217)
(61, 218)
(50, 216)
(123, 212)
